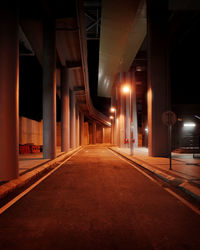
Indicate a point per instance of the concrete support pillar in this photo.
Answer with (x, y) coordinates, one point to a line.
(82, 128)
(65, 112)
(158, 88)
(94, 136)
(128, 116)
(112, 131)
(117, 116)
(134, 108)
(112, 122)
(115, 128)
(77, 127)
(9, 93)
(49, 89)
(73, 120)
(122, 121)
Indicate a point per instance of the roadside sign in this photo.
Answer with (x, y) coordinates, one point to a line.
(169, 118)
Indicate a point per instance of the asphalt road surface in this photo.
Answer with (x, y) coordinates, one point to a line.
(98, 201)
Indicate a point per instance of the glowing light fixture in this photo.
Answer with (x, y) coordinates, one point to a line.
(126, 89)
(146, 129)
(111, 117)
(189, 124)
(112, 110)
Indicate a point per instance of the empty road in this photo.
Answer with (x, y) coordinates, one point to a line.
(98, 201)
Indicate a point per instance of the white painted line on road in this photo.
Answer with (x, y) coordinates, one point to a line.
(193, 208)
(14, 200)
(196, 210)
(141, 171)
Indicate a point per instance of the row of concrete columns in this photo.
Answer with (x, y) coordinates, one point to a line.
(158, 94)
(9, 97)
(69, 109)
(125, 120)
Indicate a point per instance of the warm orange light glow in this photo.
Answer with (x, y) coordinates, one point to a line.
(126, 89)
(111, 117)
(112, 110)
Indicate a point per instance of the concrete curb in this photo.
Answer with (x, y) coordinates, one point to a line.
(12, 185)
(178, 182)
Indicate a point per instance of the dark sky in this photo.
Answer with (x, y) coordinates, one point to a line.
(30, 87)
(101, 103)
(185, 80)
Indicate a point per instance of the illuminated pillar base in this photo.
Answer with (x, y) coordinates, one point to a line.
(65, 120)
(158, 87)
(9, 93)
(82, 128)
(73, 120)
(49, 89)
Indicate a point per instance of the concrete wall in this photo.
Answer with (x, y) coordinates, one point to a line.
(86, 134)
(58, 133)
(31, 131)
(106, 135)
(99, 134)
(140, 140)
(90, 133)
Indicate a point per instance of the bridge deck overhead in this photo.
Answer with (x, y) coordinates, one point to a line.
(47, 47)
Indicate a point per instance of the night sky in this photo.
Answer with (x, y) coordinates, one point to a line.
(185, 68)
(30, 88)
(101, 103)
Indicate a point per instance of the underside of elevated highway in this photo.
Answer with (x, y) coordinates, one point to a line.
(45, 97)
(63, 65)
(99, 124)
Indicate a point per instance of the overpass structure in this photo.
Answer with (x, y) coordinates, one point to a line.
(55, 32)
(136, 43)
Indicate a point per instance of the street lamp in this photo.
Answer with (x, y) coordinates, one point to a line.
(127, 89)
(113, 110)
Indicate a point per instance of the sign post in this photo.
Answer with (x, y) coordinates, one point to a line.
(169, 119)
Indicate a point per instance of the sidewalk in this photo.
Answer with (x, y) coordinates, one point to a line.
(27, 162)
(185, 173)
(31, 167)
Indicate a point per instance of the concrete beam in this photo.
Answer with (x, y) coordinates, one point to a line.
(74, 64)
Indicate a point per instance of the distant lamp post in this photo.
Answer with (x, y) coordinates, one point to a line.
(127, 89)
(113, 110)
